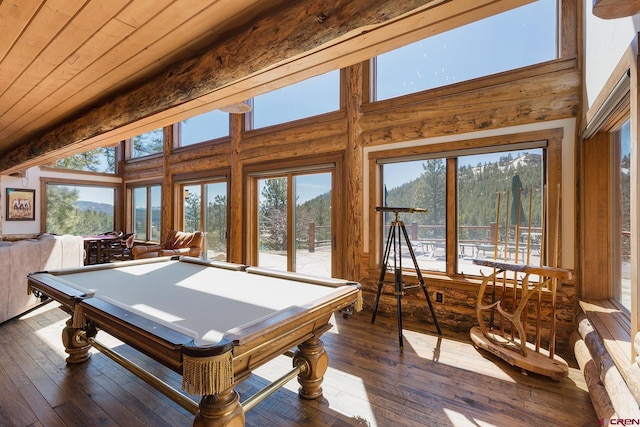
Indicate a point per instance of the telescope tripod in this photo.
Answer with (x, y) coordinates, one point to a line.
(396, 232)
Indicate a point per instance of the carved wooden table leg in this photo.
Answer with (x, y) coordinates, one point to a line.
(74, 344)
(312, 351)
(220, 410)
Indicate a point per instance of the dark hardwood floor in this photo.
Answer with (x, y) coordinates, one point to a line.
(437, 381)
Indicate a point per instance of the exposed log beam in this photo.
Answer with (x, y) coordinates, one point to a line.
(293, 43)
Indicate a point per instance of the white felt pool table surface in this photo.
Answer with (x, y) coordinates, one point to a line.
(202, 301)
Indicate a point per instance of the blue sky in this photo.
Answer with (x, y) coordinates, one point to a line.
(308, 186)
(95, 194)
(204, 127)
(513, 39)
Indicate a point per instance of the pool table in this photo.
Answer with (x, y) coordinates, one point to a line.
(212, 322)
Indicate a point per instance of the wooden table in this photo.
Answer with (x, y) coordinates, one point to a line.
(210, 321)
(93, 246)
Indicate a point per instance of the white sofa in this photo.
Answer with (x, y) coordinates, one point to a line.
(17, 259)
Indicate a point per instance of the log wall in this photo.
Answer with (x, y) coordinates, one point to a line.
(534, 94)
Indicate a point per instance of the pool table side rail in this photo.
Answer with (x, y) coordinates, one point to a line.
(211, 263)
(339, 299)
(303, 278)
(161, 343)
(106, 266)
(252, 346)
(44, 284)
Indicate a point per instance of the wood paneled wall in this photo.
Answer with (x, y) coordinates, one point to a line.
(596, 217)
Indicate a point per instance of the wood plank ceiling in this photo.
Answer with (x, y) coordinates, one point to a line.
(77, 74)
(59, 57)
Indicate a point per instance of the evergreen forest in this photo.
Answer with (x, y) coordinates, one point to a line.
(67, 215)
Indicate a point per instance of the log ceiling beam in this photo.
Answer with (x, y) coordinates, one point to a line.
(304, 39)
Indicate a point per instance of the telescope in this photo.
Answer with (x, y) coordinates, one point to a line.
(391, 209)
(393, 247)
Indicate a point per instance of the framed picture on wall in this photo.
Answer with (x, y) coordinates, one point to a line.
(21, 205)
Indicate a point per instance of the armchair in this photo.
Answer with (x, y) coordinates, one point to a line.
(175, 243)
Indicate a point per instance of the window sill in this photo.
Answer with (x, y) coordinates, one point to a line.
(613, 326)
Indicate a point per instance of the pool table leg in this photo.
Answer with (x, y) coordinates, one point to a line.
(220, 410)
(311, 351)
(74, 344)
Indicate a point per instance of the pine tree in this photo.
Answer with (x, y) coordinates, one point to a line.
(192, 212)
(148, 143)
(102, 159)
(273, 215)
(216, 224)
(62, 213)
(430, 192)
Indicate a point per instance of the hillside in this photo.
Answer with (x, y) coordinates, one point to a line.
(84, 205)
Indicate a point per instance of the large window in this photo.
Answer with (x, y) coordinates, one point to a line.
(419, 184)
(516, 38)
(622, 217)
(204, 209)
(146, 202)
(481, 202)
(204, 127)
(148, 143)
(79, 209)
(293, 223)
(500, 198)
(317, 95)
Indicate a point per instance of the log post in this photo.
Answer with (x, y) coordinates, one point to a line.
(312, 237)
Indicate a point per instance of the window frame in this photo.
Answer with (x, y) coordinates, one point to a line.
(559, 53)
(131, 208)
(167, 135)
(601, 271)
(288, 169)
(616, 215)
(202, 179)
(177, 133)
(250, 117)
(117, 154)
(552, 179)
(44, 181)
